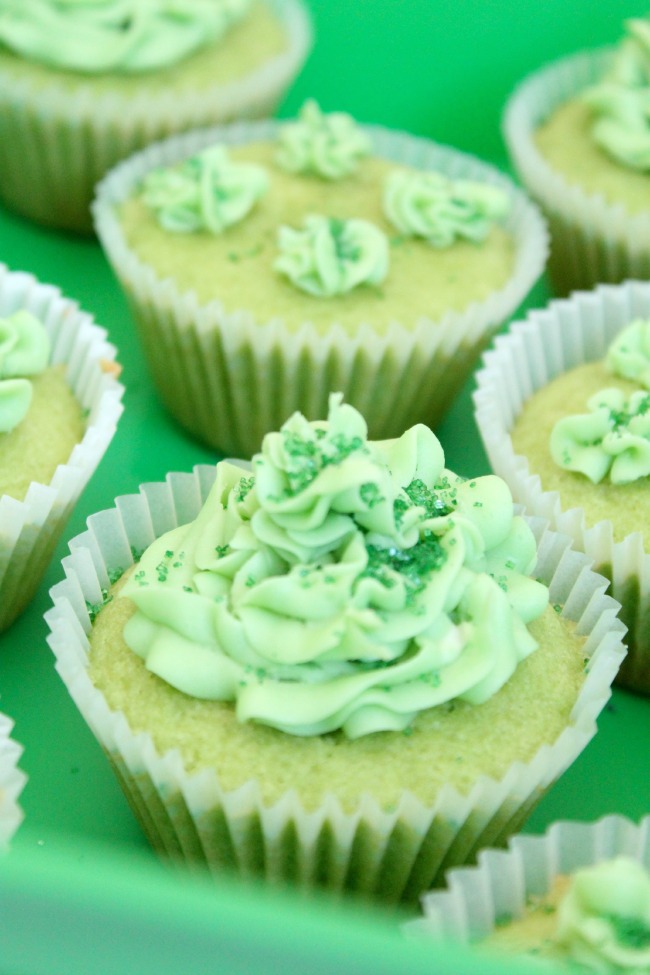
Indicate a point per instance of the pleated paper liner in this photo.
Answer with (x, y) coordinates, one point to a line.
(389, 855)
(29, 529)
(592, 240)
(549, 342)
(57, 144)
(229, 379)
(475, 899)
(12, 781)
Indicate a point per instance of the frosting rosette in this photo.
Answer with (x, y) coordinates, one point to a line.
(604, 918)
(629, 353)
(327, 145)
(24, 351)
(209, 191)
(621, 102)
(429, 205)
(130, 36)
(343, 584)
(613, 439)
(331, 257)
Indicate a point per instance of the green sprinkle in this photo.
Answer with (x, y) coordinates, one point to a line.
(370, 495)
(250, 581)
(557, 607)
(244, 487)
(114, 575)
(414, 565)
(631, 932)
(222, 550)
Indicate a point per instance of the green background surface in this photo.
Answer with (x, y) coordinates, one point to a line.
(80, 891)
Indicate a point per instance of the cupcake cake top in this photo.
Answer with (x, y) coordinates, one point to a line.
(324, 241)
(128, 36)
(612, 440)
(343, 583)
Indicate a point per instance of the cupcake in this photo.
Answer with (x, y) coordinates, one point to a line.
(59, 405)
(269, 264)
(556, 404)
(577, 898)
(12, 781)
(334, 670)
(578, 138)
(83, 85)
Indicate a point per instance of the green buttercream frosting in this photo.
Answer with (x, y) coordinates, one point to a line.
(327, 145)
(612, 440)
(621, 102)
(629, 354)
(604, 918)
(208, 191)
(331, 257)
(429, 205)
(130, 36)
(24, 351)
(343, 584)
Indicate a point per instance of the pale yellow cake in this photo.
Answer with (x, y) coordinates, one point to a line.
(44, 439)
(456, 743)
(236, 267)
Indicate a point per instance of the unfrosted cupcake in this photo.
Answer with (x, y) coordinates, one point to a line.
(577, 898)
(12, 781)
(563, 422)
(83, 85)
(336, 670)
(270, 264)
(59, 405)
(578, 136)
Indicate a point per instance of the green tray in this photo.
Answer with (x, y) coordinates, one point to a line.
(80, 890)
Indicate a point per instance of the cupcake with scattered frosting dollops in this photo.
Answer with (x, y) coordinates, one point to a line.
(270, 263)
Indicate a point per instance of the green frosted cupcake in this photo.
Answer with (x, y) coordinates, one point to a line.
(84, 85)
(578, 136)
(59, 405)
(270, 264)
(335, 669)
(562, 405)
(575, 899)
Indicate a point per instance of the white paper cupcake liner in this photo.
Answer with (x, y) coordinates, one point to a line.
(12, 781)
(230, 379)
(475, 898)
(387, 855)
(29, 529)
(591, 240)
(551, 341)
(56, 143)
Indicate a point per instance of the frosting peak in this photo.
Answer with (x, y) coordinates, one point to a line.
(327, 145)
(208, 191)
(345, 583)
(24, 351)
(331, 257)
(131, 36)
(621, 102)
(428, 205)
(604, 919)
